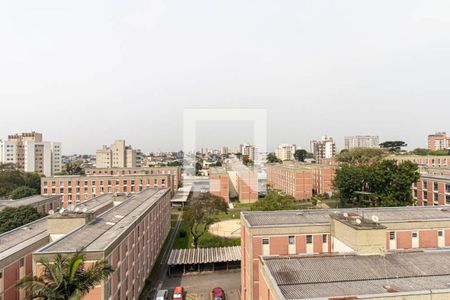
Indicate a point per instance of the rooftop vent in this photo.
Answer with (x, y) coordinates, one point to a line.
(110, 223)
(118, 216)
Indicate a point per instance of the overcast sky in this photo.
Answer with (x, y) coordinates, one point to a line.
(88, 72)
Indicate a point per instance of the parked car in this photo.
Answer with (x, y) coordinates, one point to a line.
(178, 293)
(217, 294)
(162, 295)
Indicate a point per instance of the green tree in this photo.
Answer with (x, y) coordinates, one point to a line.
(274, 200)
(33, 181)
(9, 180)
(13, 217)
(393, 146)
(65, 278)
(246, 160)
(361, 156)
(201, 213)
(22, 192)
(73, 168)
(300, 155)
(383, 183)
(272, 158)
(420, 151)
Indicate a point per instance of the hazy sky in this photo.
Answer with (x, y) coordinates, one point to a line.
(88, 72)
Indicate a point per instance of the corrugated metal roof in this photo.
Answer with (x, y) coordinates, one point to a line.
(327, 276)
(204, 255)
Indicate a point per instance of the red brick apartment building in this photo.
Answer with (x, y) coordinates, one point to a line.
(438, 141)
(301, 180)
(136, 228)
(219, 184)
(436, 161)
(432, 190)
(175, 171)
(42, 204)
(314, 232)
(75, 188)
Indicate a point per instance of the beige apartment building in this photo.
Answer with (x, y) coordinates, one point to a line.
(31, 154)
(285, 151)
(118, 155)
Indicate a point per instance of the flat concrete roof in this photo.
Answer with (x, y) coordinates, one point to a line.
(97, 235)
(303, 277)
(322, 216)
(27, 201)
(22, 237)
(99, 202)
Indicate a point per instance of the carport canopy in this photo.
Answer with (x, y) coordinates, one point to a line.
(204, 256)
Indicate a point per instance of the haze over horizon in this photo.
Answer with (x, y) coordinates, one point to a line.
(127, 70)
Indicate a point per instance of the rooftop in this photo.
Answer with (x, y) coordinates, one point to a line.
(97, 235)
(21, 237)
(105, 176)
(27, 201)
(333, 276)
(322, 216)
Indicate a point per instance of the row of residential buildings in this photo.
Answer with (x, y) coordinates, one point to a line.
(370, 253)
(30, 153)
(75, 189)
(128, 231)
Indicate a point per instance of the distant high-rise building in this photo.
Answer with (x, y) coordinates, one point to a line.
(285, 151)
(30, 154)
(438, 141)
(224, 150)
(362, 141)
(116, 156)
(249, 150)
(324, 148)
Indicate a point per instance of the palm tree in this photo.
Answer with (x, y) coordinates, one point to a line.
(65, 278)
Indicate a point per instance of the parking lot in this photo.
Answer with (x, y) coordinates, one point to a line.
(199, 286)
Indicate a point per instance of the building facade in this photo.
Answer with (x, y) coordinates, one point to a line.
(285, 151)
(324, 148)
(250, 151)
(302, 180)
(43, 204)
(438, 141)
(174, 171)
(219, 183)
(31, 154)
(432, 190)
(118, 155)
(76, 189)
(338, 231)
(362, 141)
(436, 161)
(136, 231)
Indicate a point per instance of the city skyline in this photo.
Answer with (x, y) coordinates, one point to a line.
(130, 69)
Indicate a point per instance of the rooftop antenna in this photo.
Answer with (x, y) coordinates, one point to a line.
(375, 219)
(358, 221)
(51, 212)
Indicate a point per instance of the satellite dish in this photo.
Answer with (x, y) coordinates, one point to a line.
(358, 221)
(375, 219)
(61, 210)
(77, 209)
(345, 215)
(85, 210)
(51, 212)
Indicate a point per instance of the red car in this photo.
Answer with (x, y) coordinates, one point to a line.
(218, 294)
(178, 293)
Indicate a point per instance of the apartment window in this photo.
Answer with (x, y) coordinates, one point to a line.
(309, 239)
(324, 238)
(435, 197)
(392, 235)
(440, 233)
(425, 195)
(291, 240)
(436, 186)
(45, 191)
(155, 182)
(21, 262)
(447, 199)
(447, 188)
(414, 235)
(125, 182)
(415, 193)
(265, 241)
